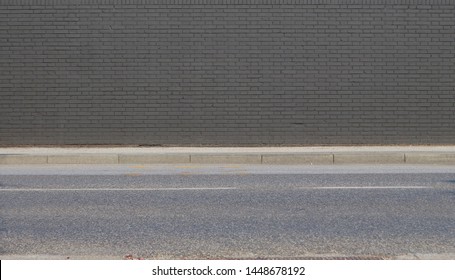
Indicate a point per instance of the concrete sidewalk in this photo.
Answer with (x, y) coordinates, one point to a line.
(230, 155)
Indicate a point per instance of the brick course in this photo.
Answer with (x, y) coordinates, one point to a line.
(227, 72)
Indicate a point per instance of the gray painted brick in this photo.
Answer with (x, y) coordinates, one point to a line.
(227, 72)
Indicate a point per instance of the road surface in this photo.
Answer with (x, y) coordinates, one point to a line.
(227, 212)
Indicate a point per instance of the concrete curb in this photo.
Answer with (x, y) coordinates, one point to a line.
(236, 158)
(23, 159)
(430, 158)
(226, 158)
(369, 158)
(308, 158)
(153, 158)
(83, 159)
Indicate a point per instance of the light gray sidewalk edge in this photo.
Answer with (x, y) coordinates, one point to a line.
(374, 157)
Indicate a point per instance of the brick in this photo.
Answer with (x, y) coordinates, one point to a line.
(227, 72)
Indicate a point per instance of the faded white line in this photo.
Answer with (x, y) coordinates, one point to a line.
(113, 189)
(372, 187)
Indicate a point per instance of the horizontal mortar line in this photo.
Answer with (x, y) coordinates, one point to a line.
(111, 189)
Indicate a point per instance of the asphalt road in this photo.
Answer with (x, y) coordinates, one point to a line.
(227, 211)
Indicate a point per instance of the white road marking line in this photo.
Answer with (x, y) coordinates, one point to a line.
(203, 189)
(375, 187)
(113, 189)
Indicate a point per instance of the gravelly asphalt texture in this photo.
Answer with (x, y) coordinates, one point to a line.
(226, 211)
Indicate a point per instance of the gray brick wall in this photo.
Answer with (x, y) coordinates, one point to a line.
(227, 72)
